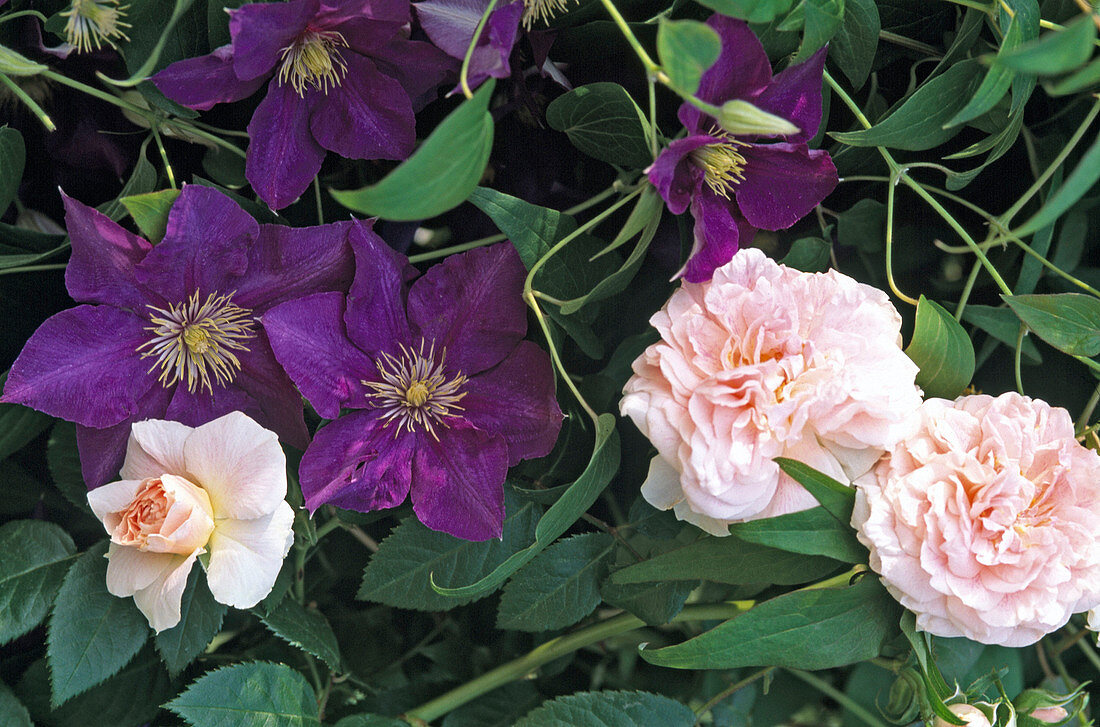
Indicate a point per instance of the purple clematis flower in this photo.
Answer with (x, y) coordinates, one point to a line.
(170, 331)
(343, 77)
(446, 394)
(451, 24)
(733, 184)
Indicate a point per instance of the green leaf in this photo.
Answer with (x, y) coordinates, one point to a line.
(1068, 321)
(1080, 181)
(942, 351)
(602, 120)
(1002, 324)
(92, 634)
(440, 174)
(728, 560)
(808, 254)
(812, 532)
(863, 226)
(63, 459)
(823, 19)
(562, 514)
(610, 709)
(856, 41)
(687, 48)
(655, 603)
(13, 155)
(837, 498)
(371, 720)
(18, 425)
(307, 629)
(400, 573)
(253, 694)
(150, 212)
(200, 620)
(143, 179)
(560, 586)
(12, 711)
(1077, 81)
(918, 123)
(37, 555)
(814, 629)
(1056, 51)
(997, 79)
(14, 64)
(754, 11)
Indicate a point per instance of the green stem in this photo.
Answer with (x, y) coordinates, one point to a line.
(554, 649)
(1089, 653)
(23, 13)
(651, 67)
(730, 690)
(838, 696)
(890, 189)
(33, 268)
(1090, 407)
(164, 157)
(29, 102)
(529, 298)
(445, 251)
(317, 197)
(462, 75)
(1017, 357)
(968, 288)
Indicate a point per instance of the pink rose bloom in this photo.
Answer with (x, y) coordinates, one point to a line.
(986, 523)
(764, 361)
(218, 489)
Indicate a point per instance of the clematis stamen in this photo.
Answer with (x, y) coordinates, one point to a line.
(541, 10)
(95, 22)
(194, 342)
(723, 166)
(415, 391)
(314, 59)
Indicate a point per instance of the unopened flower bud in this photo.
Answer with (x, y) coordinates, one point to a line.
(1050, 715)
(968, 713)
(741, 118)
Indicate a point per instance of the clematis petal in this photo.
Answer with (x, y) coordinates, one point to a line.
(200, 406)
(201, 83)
(343, 12)
(112, 498)
(516, 399)
(102, 450)
(451, 24)
(160, 600)
(130, 570)
(104, 255)
(246, 555)
(79, 356)
(283, 157)
(375, 316)
(289, 262)
(458, 482)
(718, 235)
(204, 247)
(795, 94)
(367, 116)
(783, 182)
(154, 448)
(275, 404)
(470, 305)
(673, 174)
(418, 66)
(239, 464)
(308, 338)
(356, 463)
(741, 71)
(261, 31)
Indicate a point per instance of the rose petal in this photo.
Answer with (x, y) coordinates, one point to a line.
(783, 183)
(661, 488)
(130, 570)
(246, 556)
(283, 157)
(155, 447)
(112, 498)
(160, 601)
(201, 83)
(104, 255)
(458, 483)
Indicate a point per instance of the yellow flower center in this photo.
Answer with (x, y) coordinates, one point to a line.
(543, 10)
(193, 342)
(415, 391)
(723, 166)
(314, 59)
(94, 22)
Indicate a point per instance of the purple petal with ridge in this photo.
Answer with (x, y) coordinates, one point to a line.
(357, 464)
(367, 116)
(451, 24)
(290, 262)
(102, 452)
(375, 318)
(104, 255)
(202, 82)
(717, 235)
(82, 364)
(283, 157)
(261, 31)
(340, 12)
(673, 174)
(309, 340)
(741, 71)
(278, 405)
(418, 66)
(783, 183)
(471, 304)
(795, 94)
(205, 247)
(516, 399)
(458, 482)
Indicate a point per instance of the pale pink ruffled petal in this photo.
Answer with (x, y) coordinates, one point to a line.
(112, 498)
(155, 447)
(246, 555)
(160, 601)
(130, 570)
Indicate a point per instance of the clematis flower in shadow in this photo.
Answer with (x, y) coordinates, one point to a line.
(170, 331)
(341, 75)
(733, 184)
(446, 394)
(219, 489)
(451, 24)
